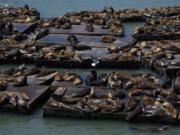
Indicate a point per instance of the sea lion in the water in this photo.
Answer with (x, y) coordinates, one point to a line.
(151, 129)
(20, 82)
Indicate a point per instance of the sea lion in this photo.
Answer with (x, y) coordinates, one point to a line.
(19, 36)
(15, 98)
(113, 49)
(131, 103)
(67, 25)
(117, 94)
(3, 85)
(92, 105)
(116, 29)
(151, 129)
(45, 72)
(71, 77)
(108, 108)
(89, 27)
(78, 58)
(92, 76)
(108, 38)
(72, 39)
(22, 81)
(77, 81)
(33, 71)
(134, 113)
(81, 47)
(135, 92)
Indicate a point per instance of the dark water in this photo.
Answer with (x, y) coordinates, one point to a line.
(13, 124)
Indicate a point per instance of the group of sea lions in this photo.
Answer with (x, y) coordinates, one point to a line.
(141, 101)
(20, 15)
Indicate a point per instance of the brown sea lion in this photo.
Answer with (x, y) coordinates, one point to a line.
(116, 29)
(93, 106)
(67, 25)
(108, 38)
(135, 92)
(108, 108)
(15, 98)
(113, 49)
(22, 81)
(45, 72)
(77, 81)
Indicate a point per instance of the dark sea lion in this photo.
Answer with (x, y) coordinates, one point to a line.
(92, 77)
(3, 99)
(81, 47)
(20, 82)
(131, 103)
(19, 36)
(81, 93)
(89, 27)
(117, 94)
(72, 39)
(151, 129)
(145, 84)
(3, 85)
(80, 105)
(131, 115)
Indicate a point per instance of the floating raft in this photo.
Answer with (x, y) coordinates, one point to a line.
(98, 108)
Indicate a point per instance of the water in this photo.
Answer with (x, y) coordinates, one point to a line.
(13, 124)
